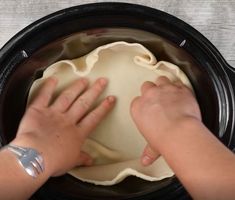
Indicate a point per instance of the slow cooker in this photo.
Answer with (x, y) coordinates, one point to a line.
(75, 31)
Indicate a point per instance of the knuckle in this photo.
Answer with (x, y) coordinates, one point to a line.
(152, 93)
(84, 103)
(39, 113)
(46, 95)
(42, 99)
(65, 100)
(94, 117)
(35, 110)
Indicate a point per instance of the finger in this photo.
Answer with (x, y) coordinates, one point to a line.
(84, 159)
(146, 86)
(89, 123)
(149, 156)
(82, 104)
(162, 80)
(133, 105)
(45, 93)
(68, 96)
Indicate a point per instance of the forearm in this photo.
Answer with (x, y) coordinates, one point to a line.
(15, 183)
(203, 164)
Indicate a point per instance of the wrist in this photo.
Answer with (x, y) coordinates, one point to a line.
(184, 125)
(13, 175)
(29, 140)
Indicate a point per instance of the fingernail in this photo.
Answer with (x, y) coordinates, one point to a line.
(103, 81)
(146, 160)
(111, 99)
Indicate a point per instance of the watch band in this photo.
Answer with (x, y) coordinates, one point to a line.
(30, 159)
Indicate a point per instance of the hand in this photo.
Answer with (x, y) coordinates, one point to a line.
(58, 129)
(161, 107)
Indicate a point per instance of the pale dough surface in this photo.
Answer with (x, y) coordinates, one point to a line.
(116, 145)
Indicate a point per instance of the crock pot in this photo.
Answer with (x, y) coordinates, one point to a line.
(75, 31)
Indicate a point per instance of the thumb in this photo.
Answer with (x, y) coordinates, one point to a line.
(84, 159)
(149, 156)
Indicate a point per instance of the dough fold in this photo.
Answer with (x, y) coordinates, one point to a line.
(116, 145)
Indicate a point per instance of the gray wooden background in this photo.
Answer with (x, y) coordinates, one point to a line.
(213, 18)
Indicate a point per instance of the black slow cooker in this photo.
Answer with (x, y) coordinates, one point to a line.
(75, 31)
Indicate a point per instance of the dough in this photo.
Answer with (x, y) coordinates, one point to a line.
(116, 145)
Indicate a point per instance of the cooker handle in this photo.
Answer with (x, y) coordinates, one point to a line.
(231, 74)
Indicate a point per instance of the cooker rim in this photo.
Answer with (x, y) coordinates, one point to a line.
(13, 44)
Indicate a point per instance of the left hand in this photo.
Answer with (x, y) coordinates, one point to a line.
(58, 129)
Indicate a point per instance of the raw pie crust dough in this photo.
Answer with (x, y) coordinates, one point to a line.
(116, 145)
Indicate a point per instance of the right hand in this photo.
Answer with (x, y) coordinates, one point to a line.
(162, 106)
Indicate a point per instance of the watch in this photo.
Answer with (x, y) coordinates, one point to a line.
(30, 159)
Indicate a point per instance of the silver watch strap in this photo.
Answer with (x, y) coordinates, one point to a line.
(30, 159)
